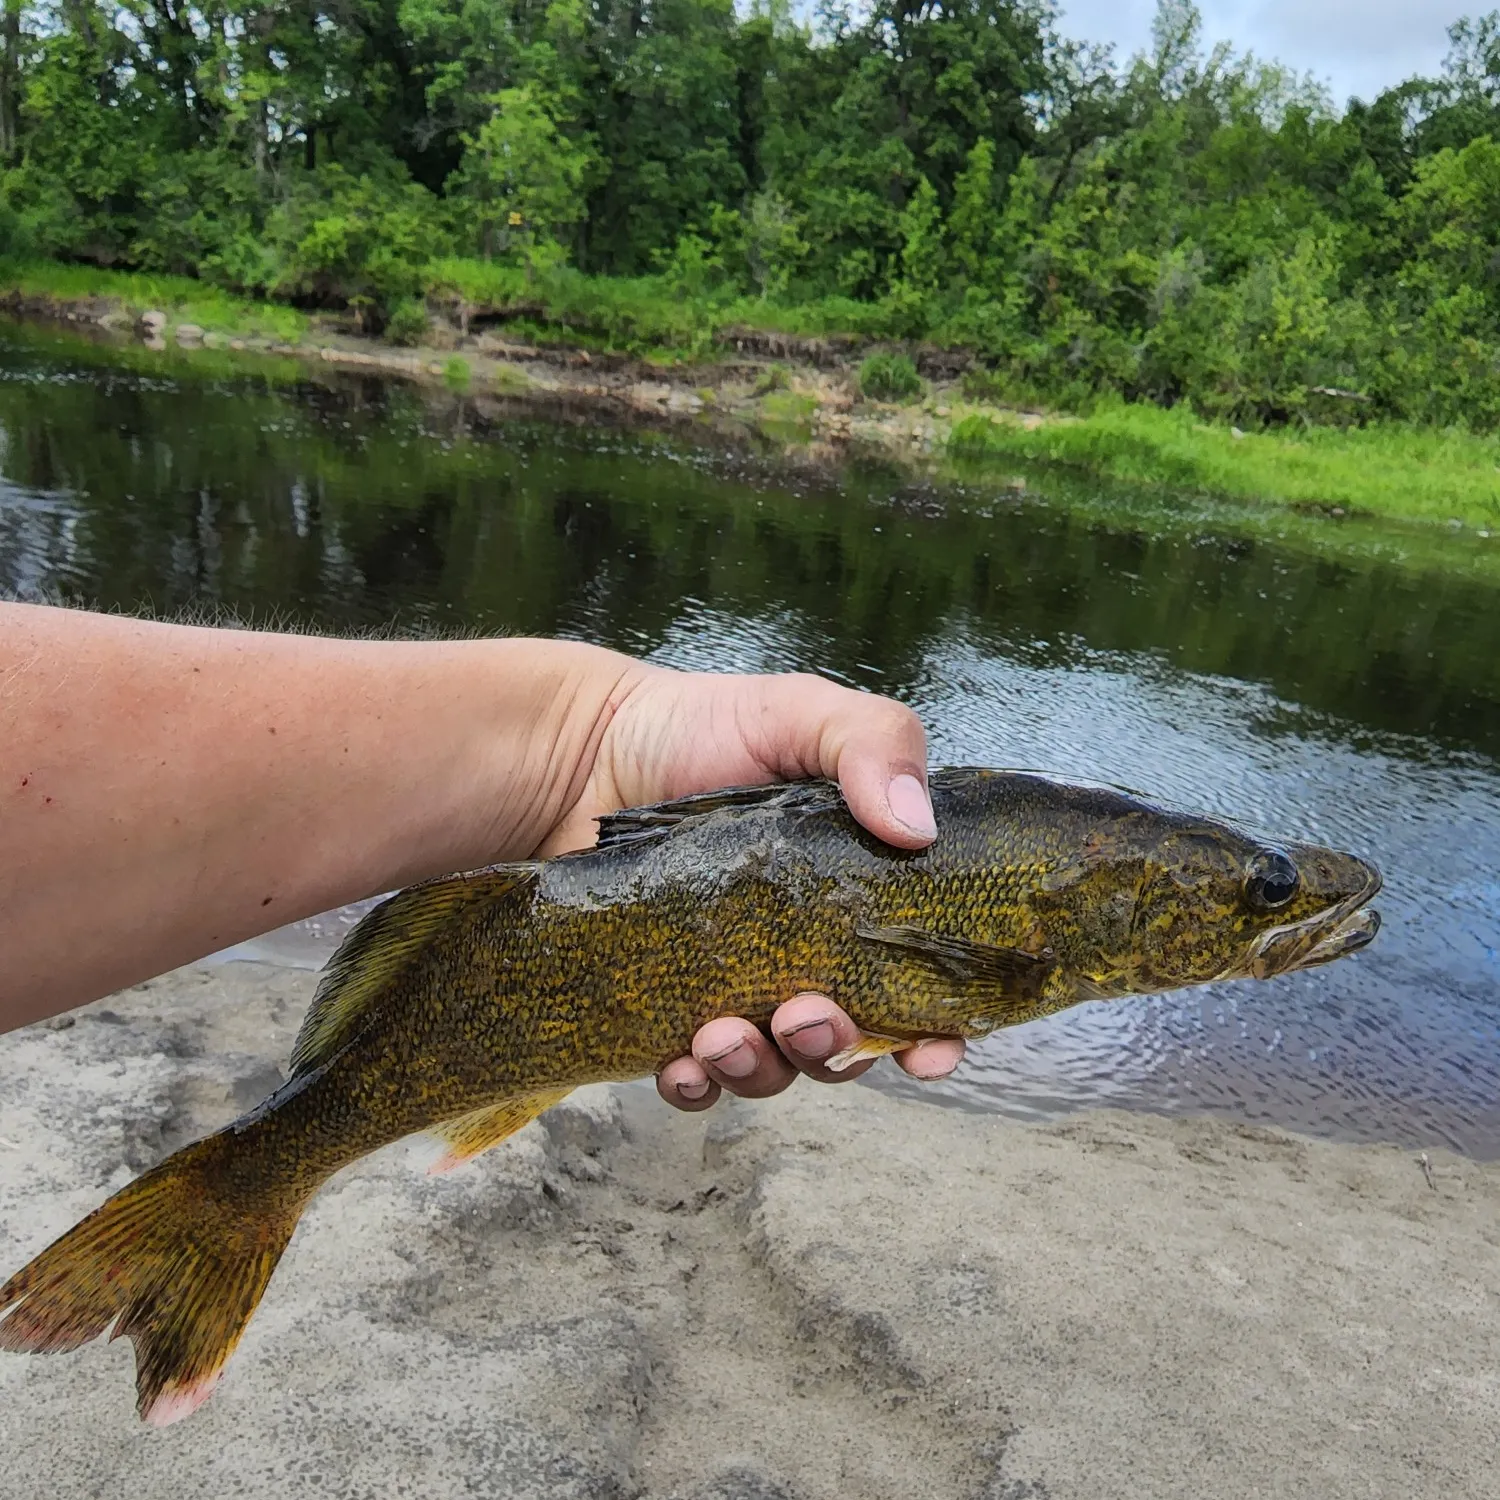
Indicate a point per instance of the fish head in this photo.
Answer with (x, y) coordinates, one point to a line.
(1165, 902)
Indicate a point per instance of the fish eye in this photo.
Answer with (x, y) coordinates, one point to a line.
(1272, 881)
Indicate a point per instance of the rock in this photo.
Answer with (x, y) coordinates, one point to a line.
(151, 323)
(725, 1130)
(590, 1119)
(498, 348)
(582, 1130)
(188, 333)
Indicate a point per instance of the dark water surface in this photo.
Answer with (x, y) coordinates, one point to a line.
(1325, 681)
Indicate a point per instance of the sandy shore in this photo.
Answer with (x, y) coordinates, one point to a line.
(830, 1294)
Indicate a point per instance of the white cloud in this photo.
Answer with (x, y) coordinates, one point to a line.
(1356, 47)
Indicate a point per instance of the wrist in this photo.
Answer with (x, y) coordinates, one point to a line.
(528, 721)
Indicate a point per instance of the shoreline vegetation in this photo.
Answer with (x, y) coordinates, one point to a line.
(927, 228)
(588, 338)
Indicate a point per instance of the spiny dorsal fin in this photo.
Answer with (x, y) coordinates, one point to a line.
(468, 1135)
(636, 825)
(379, 949)
(960, 959)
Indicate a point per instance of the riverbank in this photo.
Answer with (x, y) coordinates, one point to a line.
(826, 1294)
(804, 392)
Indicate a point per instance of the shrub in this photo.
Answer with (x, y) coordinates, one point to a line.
(408, 321)
(342, 235)
(975, 433)
(889, 377)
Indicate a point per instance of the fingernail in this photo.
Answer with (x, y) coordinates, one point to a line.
(737, 1062)
(812, 1040)
(693, 1091)
(910, 805)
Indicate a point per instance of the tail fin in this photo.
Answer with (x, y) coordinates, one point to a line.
(177, 1261)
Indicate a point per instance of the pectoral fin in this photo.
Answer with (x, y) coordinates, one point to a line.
(982, 964)
(468, 1135)
(868, 1045)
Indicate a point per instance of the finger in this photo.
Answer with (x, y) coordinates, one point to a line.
(684, 1085)
(810, 1029)
(735, 1055)
(875, 748)
(932, 1059)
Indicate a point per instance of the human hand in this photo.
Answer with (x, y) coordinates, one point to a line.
(674, 733)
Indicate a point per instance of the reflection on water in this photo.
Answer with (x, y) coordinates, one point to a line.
(1322, 690)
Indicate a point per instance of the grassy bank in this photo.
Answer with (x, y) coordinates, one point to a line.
(636, 315)
(1389, 471)
(182, 298)
(1401, 472)
(643, 314)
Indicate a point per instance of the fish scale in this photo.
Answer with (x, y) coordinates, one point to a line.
(467, 1006)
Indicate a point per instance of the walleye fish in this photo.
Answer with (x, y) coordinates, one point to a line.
(467, 1006)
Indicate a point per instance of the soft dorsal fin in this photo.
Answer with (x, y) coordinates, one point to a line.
(636, 825)
(380, 948)
(1011, 970)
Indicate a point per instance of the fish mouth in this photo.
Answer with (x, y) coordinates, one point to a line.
(1341, 929)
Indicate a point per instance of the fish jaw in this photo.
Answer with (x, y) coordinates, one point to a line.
(1356, 931)
(1343, 928)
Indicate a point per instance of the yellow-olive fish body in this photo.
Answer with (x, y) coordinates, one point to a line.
(467, 1006)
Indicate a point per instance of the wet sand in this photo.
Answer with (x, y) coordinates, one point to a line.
(834, 1293)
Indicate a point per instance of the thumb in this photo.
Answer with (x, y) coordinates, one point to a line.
(875, 748)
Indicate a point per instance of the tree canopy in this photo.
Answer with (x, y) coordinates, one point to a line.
(1190, 224)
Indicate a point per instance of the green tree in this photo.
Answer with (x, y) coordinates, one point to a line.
(521, 185)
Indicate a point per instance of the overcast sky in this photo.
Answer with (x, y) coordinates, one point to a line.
(1357, 47)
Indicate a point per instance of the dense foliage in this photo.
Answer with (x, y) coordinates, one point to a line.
(1194, 225)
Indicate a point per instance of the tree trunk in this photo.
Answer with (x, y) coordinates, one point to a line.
(10, 81)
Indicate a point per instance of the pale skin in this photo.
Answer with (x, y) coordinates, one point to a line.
(168, 790)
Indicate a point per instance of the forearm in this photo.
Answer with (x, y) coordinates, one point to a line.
(166, 790)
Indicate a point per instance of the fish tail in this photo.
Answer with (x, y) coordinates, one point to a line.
(177, 1262)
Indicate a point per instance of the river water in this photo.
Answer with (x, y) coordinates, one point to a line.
(1323, 679)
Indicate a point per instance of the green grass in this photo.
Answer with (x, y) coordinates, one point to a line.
(456, 373)
(637, 313)
(787, 411)
(183, 299)
(1388, 470)
(890, 377)
(642, 315)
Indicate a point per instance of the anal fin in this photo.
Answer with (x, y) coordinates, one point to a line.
(869, 1045)
(467, 1135)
